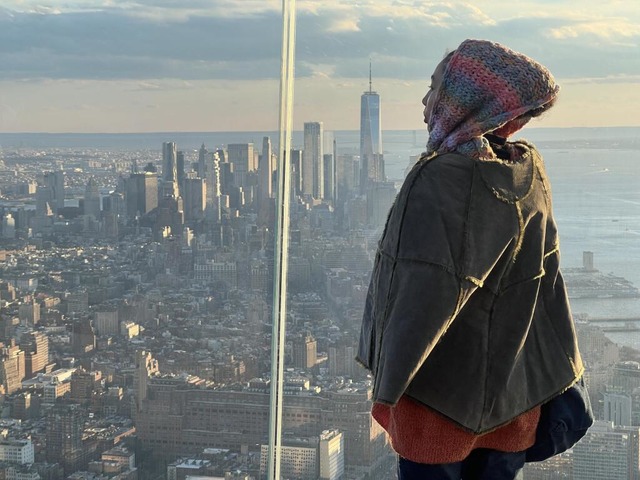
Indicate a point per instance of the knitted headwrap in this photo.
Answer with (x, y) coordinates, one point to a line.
(486, 87)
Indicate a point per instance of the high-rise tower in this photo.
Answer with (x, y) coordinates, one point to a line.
(52, 190)
(241, 155)
(313, 161)
(170, 168)
(371, 160)
(141, 193)
(64, 427)
(265, 181)
(92, 199)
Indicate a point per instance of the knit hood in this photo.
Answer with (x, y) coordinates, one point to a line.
(486, 87)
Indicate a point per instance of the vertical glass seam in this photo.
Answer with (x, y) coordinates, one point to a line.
(279, 311)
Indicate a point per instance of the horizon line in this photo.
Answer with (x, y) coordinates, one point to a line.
(295, 130)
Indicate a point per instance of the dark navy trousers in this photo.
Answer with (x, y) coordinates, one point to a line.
(481, 464)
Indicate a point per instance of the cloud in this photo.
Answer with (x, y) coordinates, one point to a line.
(612, 29)
(344, 25)
(240, 39)
(607, 80)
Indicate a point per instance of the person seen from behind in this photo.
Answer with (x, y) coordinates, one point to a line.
(467, 329)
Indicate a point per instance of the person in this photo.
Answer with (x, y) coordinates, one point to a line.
(467, 329)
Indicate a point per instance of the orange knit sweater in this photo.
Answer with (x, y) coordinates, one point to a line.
(421, 435)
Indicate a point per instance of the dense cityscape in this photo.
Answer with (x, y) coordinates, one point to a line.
(136, 293)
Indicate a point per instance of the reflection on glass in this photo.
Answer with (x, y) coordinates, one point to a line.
(281, 253)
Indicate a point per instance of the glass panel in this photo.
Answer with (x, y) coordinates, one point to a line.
(138, 143)
(589, 141)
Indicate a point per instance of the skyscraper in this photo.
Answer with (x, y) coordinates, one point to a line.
(65, 424)
(242, 157)
(180, 170)
(202, 158)
(141, 193)
(265, 170)
(92, 199)
(329, 174)
(44, 201)
(296, 170)
(170, 168)
(51, 192)
(265, 182)
(55, 180)
(371, 160)
(209, 170)
(195, 198)
(313, 161)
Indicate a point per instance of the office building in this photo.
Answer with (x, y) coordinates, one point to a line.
(203, 154)
(45, 205)
(331, 455)
(29, 313)
(305, 351)
(617, 409)
(145, 367)
(298, 458)
(65, 424)
(54, 181)
(329, 175)
(8, 226)
(213, 272)
(92, 199)
(209, 170)
(83, 337)
(265, 171)
(16, 451)
(313, 161)
(115, 203)
(180, 172)
(50, 195)
(342, 360)
(607, 452)
(380, 197)
(83, 384)
(120, 456)
(12, 367)
(242, 156)
(296, 171)
(141, 194)
(77, 300)
(36, 348)
(347, 176)
(170, 165)
(194, 198)
(107, 322)
(211, 418)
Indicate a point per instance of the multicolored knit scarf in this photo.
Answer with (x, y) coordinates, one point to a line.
(486, 87)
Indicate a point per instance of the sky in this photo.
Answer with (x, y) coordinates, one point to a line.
(213, 65)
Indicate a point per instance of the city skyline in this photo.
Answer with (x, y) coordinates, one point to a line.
(115, 316)
(150, 67)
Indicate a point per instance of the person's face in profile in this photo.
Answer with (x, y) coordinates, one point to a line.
(429, 99)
